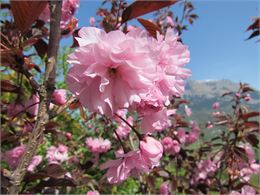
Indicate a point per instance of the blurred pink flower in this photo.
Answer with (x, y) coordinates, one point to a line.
(167, 143)
(14, 109)
(164, 188)
(98, 145)
(247, 97)
(36, 160)
(187, 110)
(92, 193)
(126, 165)
(151, 150)
(92, 21)
(245, 190)
(181, 134)
(194, 134)
(59, 97)
(216, 105)
(32, 105)
(28, 127)
(204, 169)
(209, 125)
(69, 8)
(123, 129)
(169, 21)
(12, 157)
(248, 190)
(57, 154)
(171, 146)
(156, 121)
(216, 114)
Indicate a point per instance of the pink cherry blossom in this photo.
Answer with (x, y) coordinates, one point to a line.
(203, 170)
(98, 145)
(32, 105)
(36, 160)
(123, 129)
(156, 121)
(92, 21)
(238, 95)
(167, 143)
(248, 190)
(216, 105)
(113, 66)
(171, 146)
(187, 110)
(92, 193)
(209, 125)
(247, 97)
(119, 69)
(12, 157)
(59, 97)
(69, 8)
(164, 188)
(181, 134)
(129, 164)
(14, 109)
(194, 134)
(169, 21)
(57, 154)
(151, 150)
(172, 56)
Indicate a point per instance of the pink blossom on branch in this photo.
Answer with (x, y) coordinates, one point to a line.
(151, 150)
(68, 10)
(118, 68)
(92, 193)
(57, 154)
(165, 188)
(59, 97)
(123, 129)
(12, 157)
(216, 105)
(98, 145)
(36, 160)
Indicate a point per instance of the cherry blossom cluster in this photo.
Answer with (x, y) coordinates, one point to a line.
(69, 8)
(133, 70)
(13, 156)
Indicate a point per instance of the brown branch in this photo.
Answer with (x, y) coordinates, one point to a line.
(45, 92)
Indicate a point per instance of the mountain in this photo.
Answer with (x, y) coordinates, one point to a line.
(202, 94)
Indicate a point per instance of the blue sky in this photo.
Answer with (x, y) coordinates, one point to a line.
(216, 40)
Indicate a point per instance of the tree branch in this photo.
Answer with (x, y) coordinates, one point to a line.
(45, 93)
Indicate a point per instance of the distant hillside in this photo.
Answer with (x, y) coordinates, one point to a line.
(202, 94)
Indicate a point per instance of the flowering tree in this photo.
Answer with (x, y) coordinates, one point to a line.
(110, 109)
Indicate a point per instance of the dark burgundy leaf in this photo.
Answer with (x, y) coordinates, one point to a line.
(150, 27)
(250, 114)
(253, 140)
(75, 42)
(141, 7)
(7, 86)
(41, 47)
(26, 12)
(254, 34)
(253, 124)
(255, 25)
